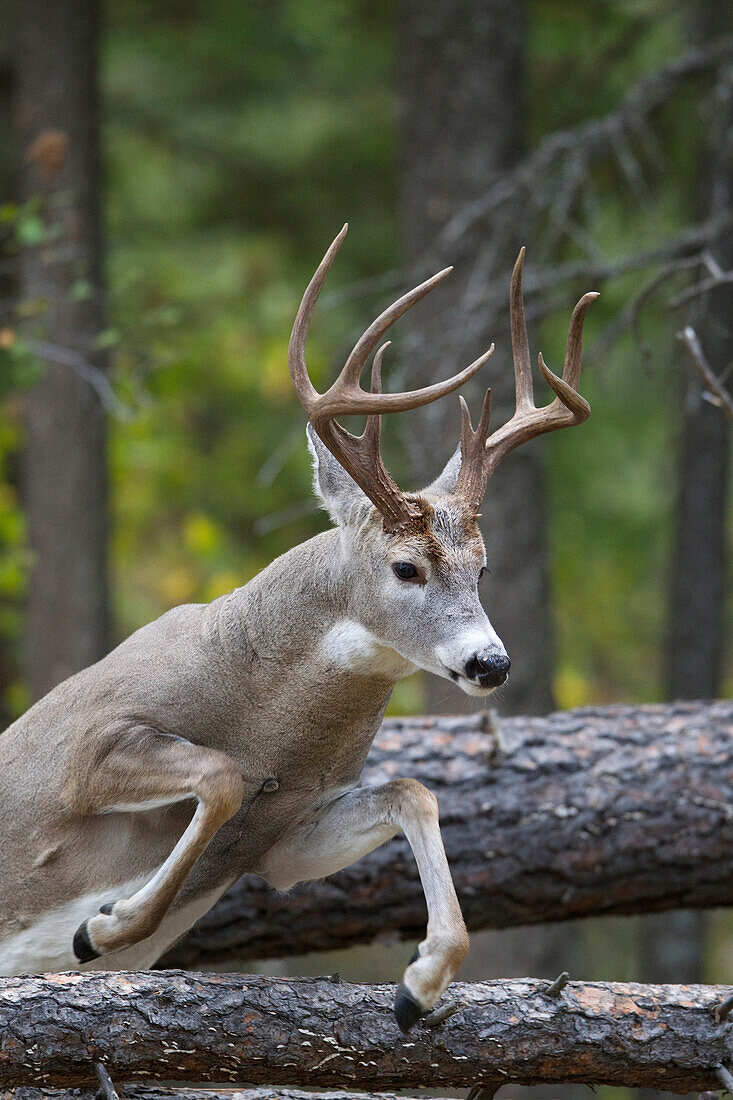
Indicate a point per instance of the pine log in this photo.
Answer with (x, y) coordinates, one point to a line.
(153, 1092)
(231, 1029)
(594, 811)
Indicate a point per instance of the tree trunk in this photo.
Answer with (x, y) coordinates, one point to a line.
(462, 90)
(673, 945)
(597, 811)
(65, 479)
(319, 1032)
(696, 643)
(8, 290)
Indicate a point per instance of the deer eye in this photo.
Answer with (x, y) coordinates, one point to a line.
(405, 570)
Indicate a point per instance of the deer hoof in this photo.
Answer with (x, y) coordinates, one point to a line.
(406, 1009)
(83, 945)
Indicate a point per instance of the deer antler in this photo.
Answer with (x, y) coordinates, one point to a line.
(360, 455)
(481, 455)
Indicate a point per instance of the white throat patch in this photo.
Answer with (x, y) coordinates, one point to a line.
(349, 645)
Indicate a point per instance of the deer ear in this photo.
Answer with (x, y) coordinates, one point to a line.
(445, 483)
(338, 492)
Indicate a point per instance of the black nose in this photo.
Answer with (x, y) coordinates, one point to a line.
(490, 669)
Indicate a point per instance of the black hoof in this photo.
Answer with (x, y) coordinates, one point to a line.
(83, 945)
(406, 1009)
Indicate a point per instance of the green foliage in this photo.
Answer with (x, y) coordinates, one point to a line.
(225, 176)
(228, 174)
(237, 140)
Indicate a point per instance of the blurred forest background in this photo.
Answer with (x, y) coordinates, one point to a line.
(173, 174)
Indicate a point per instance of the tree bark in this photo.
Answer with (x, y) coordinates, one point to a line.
(61, 280)
(674, 949)
(159, 1092)
(8, 290)
(462, 94)
(147, 1027)
(697, 636)
(602, 810)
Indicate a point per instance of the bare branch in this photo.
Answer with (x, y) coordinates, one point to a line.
(594, 137)
(95, 377)
(717, 278)
(718, 394)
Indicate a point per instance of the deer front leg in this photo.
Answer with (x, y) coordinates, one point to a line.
(144, 770)
(346, 829)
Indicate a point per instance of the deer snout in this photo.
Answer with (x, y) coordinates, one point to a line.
(489, 669)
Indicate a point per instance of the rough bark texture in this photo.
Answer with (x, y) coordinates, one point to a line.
(153, 1092)
(8, 290)
(462, 95)
(315, 1031)
(608, 810)
(697, 634)
(675, 948)
(65, 473)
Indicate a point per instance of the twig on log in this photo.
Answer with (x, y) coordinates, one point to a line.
(223, 1028)
(108, 1089)
(722, 1010)
(600, 810)
(725, 1078)
(556, 987)
(440, 1015)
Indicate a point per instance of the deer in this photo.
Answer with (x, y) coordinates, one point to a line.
(229, 738)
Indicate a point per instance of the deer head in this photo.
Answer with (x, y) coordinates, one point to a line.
(414, 559)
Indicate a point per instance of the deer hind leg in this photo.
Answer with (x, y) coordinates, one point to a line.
(356, 823)
(145, 770)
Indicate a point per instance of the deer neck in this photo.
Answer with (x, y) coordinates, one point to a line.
(297, 616)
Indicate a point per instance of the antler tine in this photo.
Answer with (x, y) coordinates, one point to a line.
(346, 396)
(472, 476)
(571, 366)
(568, 407)
(520, 340)
(308, 395)
(566, 388)
(373, 429)
(366, 343)
(361, 457)
(360, 402)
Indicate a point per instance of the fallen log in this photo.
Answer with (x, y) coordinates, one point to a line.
(594, 811)
(140, 1092)
(233, 1029)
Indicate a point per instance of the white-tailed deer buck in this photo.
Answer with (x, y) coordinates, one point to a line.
(259, 709)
